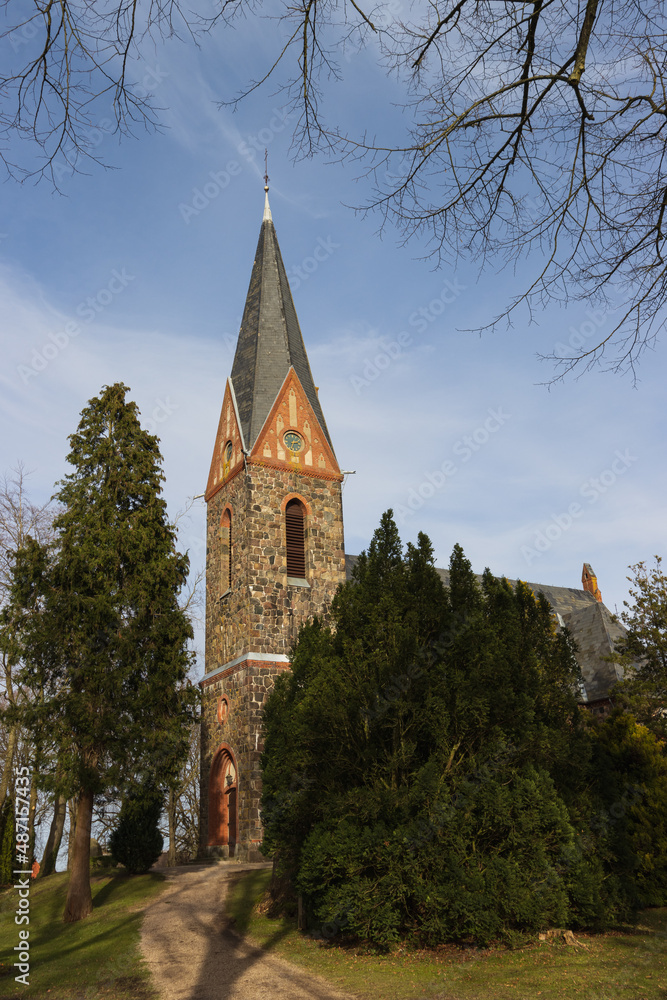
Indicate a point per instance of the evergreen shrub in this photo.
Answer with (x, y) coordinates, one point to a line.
(137, 842)
(428, 774)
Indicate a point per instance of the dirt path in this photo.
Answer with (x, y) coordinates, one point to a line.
(193, 956)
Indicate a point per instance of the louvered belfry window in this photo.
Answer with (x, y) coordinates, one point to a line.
(294, 528)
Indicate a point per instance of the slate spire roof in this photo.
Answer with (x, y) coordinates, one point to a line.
(270, 340)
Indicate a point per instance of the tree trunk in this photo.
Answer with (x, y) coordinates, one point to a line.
(171, 812)
(79, 898)
(72, 827)
(48, 865)
(9, 761)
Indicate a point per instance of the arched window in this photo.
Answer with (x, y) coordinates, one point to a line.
(295, 524)
(222, 801)
(226, 551)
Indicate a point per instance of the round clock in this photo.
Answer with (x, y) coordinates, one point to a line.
(293, 441)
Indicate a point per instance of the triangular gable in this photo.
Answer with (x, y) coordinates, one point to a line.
(229, 430)
(292, 411)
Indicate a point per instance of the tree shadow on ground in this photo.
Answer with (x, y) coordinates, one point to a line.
(234, 969)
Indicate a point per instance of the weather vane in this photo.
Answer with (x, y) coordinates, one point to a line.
(266, 170)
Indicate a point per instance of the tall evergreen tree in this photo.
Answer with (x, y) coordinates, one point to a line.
(426, 768)
(108, 649)
(643, 650)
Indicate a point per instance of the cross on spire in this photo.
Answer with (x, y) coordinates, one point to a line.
(266, 170)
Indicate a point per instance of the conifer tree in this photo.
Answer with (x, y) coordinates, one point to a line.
(643, 650)
(136, 841)
(426, 770)
(108, 649)
(631, 766)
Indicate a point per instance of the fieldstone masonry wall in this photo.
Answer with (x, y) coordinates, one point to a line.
(245, 686)
(258, 617)
(262, 612)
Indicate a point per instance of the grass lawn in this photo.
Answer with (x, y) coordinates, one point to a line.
(617, 966)
(94, 958)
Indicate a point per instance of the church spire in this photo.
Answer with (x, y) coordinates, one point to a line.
(267, 208)
(270, 340)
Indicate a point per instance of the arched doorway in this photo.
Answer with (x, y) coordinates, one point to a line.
(222, 801)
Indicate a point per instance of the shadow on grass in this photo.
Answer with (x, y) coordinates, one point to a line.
(92, 957)
(246, 887)
(117, 883)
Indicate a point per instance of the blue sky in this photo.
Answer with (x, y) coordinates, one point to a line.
(138, 273)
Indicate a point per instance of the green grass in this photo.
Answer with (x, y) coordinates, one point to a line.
(618, 966)
(95, 958)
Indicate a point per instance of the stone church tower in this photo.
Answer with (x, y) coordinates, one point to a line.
(274, 553)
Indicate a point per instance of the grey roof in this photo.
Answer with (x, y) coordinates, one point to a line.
(270, 341)
(589, 622)
(595, 634)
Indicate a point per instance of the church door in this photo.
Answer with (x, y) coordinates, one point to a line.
(231, 821)
(223, 810)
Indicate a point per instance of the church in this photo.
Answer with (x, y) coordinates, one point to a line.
(275, 554)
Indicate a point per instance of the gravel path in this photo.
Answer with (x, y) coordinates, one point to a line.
(192, 955)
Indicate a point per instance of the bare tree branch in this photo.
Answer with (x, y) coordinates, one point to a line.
(538, 127)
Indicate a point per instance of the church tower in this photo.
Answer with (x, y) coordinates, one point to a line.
(274, 552)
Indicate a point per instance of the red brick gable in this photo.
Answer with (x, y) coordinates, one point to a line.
(293, 412)
(228, 430)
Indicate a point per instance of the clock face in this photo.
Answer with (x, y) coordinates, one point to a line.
(293, 441)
